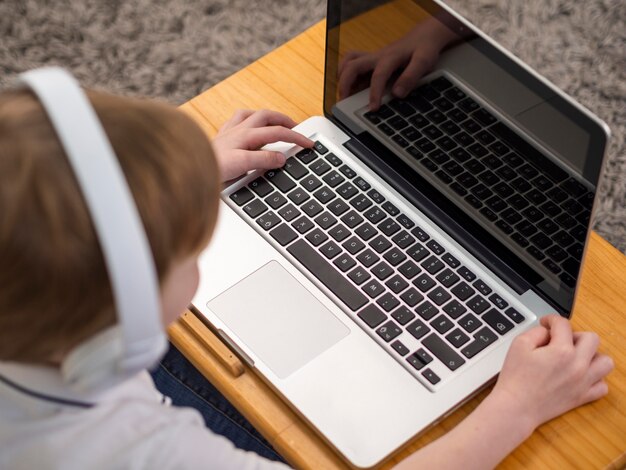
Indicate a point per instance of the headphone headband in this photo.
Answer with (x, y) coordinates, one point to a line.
(115, 217)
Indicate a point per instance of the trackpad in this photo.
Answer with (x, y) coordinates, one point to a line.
(278, 319)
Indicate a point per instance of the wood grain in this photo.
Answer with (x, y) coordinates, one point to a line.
(290, 80)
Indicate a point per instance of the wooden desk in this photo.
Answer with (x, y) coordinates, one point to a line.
(290, 80)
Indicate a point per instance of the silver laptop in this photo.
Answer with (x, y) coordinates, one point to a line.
(377, 280)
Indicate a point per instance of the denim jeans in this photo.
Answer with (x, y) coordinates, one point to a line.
(178, 379)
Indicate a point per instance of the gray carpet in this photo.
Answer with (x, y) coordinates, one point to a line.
(174, 49)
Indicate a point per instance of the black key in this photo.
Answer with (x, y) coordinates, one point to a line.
(268, 221)
(415, 362)
(496, 204)
(419, 120)
(466, 274)
(333, 159)
(411, 133)
(485, 137)
(541, 241)
(400, 348)
(361, 202)
(324, 195)
(514, 315)
(498, 301)
(298, 196)
(388, 227)
(439, 295)
(388, 331)
(420, 234)
(432, 132)
(535, 252)
(330, 249)
(412, 297)
(478, 304)
(361, 183)
(454, 309)
(453, 168)
(482, 339)
(506, 228)
(552, 266)
(443, 352)
(520, 184)
(372, 315)
(320, 167)
(316, 237)
(359, 275)
(386, 129)
(373, 288)
(409, 269)
(497, 321)
(333, 179)
(403, 239)
(442, 324)
(261, 186)
(401, 107)
(519, 239)
(468, 105)
(447, 277)
(542, 183)
(459, 154)
(379, 243)
(405, 221)
(280, 179)
(469, 323)
(312, 208)
(563, 239)
(388, 302)
(418, 252)
(339, 232)
(449, 127)
(367, 258)
(385, 111)
(327, 274)
(443, 176)
(417, 329)
(366, 231)
(484, 117)
(310, 183)
(426, 310)
(283, 234)
(503, 190)
(432, 264)
(376, 196)
(394, 256)
(574, 188)
(344, 262)
(306, 156)
(397, 123)
(353, 245)
(390, 209)
(241, 196)
(482, 287)
(289, 212)
(319, 148)
(424, 145)
(374, 214)
(347, 171)
(463, 291)
(325, 220)
(431, 376)
(526, 228)
(556, 253)
(347, 190)
(255, 208)
(352, 219)
(276, 200)
(435, 247)
(382, 270)
(482, 192)
(457, 338)
(397, 284)
(338, 207)
(295, 168)
(499, 148)
(450, 260)
(510, 216)
(303, 224)
(424, 283)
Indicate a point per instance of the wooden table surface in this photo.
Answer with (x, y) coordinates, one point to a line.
(290, 80)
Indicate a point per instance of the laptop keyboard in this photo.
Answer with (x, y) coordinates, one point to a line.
(531, 200)
(427, 309)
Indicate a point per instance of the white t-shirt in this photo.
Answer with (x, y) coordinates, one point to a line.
(130, 426)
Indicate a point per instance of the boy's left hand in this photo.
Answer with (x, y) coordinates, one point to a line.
(238, 142)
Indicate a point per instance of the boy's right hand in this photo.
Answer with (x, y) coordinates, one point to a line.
(550, 370)
(237, 144)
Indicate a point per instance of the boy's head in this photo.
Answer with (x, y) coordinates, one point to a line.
(54, 288)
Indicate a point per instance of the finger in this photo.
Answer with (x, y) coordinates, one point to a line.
(238, 116)
(266, 117)
(380, 77)
(601, 365)
(350, 55)
(414, 71)
(258, 137)
(560, 330)
(533, 338)
(595, 392)
(351, 72)
(586, 345)
(259, 159)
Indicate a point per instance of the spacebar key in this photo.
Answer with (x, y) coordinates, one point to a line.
(331, 278)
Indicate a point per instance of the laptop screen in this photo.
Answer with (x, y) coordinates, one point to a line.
(507, 157)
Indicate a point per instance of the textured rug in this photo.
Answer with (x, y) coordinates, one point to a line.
(174, 49)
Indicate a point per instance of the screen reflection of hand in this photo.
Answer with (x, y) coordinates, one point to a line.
(416, 53)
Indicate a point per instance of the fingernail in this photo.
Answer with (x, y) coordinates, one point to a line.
(398, 90)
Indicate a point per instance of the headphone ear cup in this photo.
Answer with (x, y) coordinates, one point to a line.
(94, 365)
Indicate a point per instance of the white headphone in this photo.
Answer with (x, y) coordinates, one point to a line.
(138, 340)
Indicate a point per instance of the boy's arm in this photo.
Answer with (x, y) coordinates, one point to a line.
(549, 370)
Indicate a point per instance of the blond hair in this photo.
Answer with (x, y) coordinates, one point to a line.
(54, 288)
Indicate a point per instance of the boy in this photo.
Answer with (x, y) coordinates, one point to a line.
(55, 294)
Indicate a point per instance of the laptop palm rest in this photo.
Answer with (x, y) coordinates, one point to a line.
(278, 319)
